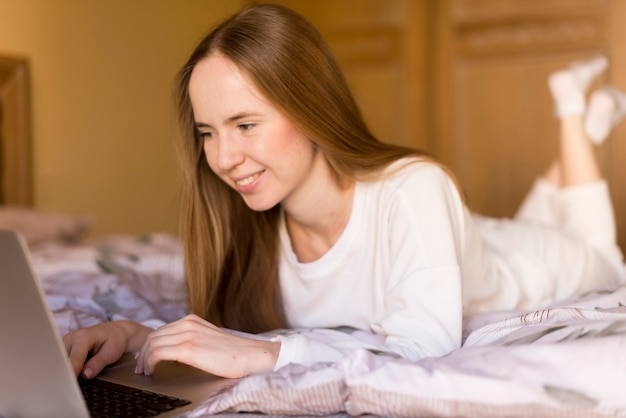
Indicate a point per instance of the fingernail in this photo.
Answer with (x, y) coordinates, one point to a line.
(88, 373)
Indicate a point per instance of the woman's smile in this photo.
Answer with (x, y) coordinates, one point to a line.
(248, 184)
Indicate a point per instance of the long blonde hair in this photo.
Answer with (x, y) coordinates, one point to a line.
(231, 252)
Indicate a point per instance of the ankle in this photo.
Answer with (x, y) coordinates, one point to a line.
(569, 86)
(569, 98)
(607, 108)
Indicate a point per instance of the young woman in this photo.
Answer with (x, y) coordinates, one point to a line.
(296, 216)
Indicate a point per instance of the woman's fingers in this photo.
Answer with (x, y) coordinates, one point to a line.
(201, 344)
(91, 349)
(78, 345)
(174, 342)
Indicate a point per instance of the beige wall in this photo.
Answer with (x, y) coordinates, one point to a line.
(102, 73)
(102, 120)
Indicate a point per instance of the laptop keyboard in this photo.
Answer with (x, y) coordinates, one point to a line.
(106, 399)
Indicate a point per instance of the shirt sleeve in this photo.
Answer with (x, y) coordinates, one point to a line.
(423, 302)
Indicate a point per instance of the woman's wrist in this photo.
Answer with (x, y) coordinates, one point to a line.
(135, 334)
(264, 357)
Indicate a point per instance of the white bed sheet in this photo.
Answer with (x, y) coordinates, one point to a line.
(565, 361)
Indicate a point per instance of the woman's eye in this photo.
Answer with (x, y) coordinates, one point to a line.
(206, 135)
(246, 126)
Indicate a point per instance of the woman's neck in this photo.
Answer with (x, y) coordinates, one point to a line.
(317, 220)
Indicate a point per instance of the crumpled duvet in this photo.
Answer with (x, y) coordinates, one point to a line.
(566, 361)
(118, 277)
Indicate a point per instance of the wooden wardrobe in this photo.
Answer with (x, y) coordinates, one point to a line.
(495, 121)
(466, 80)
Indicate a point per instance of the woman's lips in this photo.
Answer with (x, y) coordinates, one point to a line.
(248, 184)
(248, 180)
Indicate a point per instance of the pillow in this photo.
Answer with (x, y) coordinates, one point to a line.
(38, 226)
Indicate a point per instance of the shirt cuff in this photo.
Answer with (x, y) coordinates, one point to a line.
(297, 348)
(153, 323)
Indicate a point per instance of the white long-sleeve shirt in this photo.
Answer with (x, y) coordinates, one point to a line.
(410, 262)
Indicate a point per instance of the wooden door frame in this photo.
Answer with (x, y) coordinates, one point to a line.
(615, 150)
(15, 132)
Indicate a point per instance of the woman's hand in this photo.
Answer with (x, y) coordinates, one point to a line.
(200, 344)
(105, 343)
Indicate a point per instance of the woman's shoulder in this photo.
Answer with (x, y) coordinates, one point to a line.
(407, 178)
(414, 170)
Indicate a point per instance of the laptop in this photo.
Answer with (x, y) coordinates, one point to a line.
(36, 379)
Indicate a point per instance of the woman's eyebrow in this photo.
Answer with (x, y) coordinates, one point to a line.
(236, 117)
(241, 115)
(202, 125)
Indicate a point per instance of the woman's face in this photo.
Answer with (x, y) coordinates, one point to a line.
(248, 143)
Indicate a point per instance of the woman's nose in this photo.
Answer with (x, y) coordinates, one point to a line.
(230, 153)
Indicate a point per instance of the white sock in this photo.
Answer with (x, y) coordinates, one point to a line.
(569, 86)
(607, 108)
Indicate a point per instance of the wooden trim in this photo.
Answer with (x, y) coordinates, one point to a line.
(615, 148)
(15, 132)
(440, 89)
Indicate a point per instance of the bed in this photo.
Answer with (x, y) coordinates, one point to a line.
(568, 360)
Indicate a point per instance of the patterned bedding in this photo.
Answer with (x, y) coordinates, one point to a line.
(565, 361)
(117, 277)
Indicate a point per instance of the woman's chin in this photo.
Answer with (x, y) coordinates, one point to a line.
(258, 205)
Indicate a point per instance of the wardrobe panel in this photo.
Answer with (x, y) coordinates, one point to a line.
(381, 47)
(496, 125)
